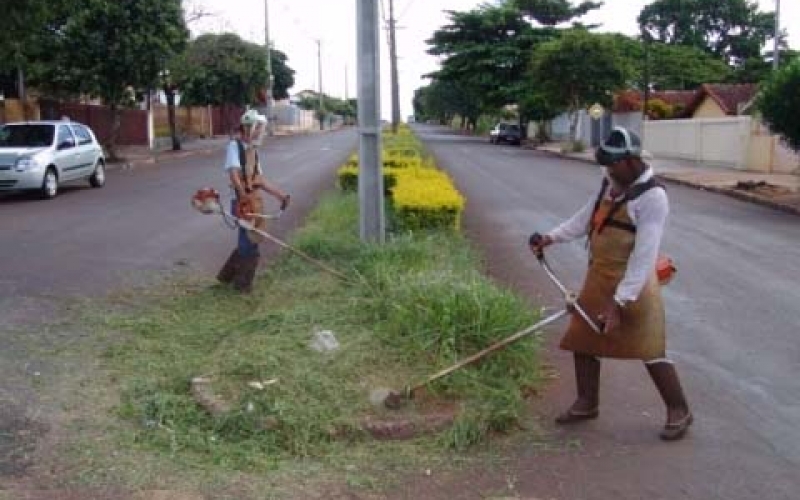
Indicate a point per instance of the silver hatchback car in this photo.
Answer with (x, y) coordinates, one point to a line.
(41, 155)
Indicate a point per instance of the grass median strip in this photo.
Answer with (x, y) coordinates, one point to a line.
(416, 304)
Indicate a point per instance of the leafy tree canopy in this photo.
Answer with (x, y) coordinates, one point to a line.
(223, 68)
(486, 53)
(779, 102)
(734, 31)
(554, 12)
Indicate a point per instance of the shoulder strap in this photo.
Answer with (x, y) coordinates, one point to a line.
(639, 189)
(631, 194)
(242, 154)
(597, 202)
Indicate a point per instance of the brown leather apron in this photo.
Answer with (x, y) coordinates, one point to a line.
(641, 334)
(254, 202)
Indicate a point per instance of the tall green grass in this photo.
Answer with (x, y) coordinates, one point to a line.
(414, 305)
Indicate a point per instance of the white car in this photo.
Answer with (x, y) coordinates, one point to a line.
(41, 155)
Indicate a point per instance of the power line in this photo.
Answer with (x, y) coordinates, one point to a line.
(406, 9)
(383, 13)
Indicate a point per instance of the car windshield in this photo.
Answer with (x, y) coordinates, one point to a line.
(26, 136)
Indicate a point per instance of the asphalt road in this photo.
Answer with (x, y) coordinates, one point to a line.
(733, 324)
(141, 224)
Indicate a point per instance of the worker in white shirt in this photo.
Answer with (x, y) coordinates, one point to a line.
(624, 224)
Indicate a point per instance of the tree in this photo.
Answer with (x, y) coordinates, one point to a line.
(27, 32)
(553, 12)
(672, 67)
(734, 31)
(577, 70)
(224, 69)
(442, 101)
(779, 102)
(485, 55)
(110, 48)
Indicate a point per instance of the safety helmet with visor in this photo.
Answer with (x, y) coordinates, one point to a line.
(620, 144)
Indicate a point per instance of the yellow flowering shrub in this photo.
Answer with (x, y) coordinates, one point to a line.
(426, 199)
(348, 179)
(422, 196)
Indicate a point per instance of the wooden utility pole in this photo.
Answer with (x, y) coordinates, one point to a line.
(394, 73)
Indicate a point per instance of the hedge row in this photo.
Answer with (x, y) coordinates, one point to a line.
(422, 197)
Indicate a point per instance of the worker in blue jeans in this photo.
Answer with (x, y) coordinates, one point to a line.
(244, 171)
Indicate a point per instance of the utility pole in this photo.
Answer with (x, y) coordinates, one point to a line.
(776, 56)
(370, 175)
(646, 40)
(270, 76)
(321, 97)
(393, 59)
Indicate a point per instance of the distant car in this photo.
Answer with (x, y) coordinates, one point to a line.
(506, 132)
(41, 155)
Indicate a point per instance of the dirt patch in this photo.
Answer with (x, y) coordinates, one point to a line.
(423, 416)
(18, 438)
(762, 188)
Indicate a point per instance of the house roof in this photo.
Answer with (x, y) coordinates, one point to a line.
(731, 98)
(631, 100)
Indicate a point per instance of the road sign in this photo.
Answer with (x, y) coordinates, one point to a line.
(597, 111)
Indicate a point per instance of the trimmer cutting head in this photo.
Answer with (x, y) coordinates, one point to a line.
(206, 201)
(396, 400)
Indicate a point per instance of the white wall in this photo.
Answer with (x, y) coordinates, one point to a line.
(717, 141)
(560, 127)
(735, 142)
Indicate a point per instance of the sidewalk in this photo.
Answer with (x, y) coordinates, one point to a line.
(778, 191)
(132, 156)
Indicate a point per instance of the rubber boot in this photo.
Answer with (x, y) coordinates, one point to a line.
(679, 417)
(246, 272)
(587, 379)
(228, 271)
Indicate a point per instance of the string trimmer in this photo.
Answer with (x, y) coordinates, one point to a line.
(207, 201)
(395, 399)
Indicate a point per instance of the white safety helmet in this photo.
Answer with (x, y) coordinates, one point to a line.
(621, 143)
(252, 117)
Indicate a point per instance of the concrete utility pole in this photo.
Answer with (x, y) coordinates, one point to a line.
(270, 76)
(395, 76)
(370, 175)
(321, 96)
(776, 56)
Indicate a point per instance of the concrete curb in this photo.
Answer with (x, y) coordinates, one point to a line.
(730, 192)
(159, 158)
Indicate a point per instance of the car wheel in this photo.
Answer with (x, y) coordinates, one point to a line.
(49, 188)
(98, 178)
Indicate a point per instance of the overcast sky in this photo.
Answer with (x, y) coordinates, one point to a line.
(295, 25)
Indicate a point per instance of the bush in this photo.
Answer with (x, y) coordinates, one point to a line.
(426, 199)
(348, 179)
(422, 196)
(780, 103)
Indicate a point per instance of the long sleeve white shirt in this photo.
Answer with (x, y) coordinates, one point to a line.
(649, 214)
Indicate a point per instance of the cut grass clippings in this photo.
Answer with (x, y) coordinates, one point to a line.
(415, 305)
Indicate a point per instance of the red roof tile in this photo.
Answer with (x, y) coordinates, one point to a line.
(729, 97)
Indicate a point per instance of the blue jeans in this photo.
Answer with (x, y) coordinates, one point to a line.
(245, 247)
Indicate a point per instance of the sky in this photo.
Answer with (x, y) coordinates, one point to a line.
(296, 25)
